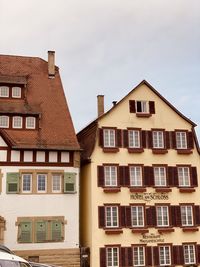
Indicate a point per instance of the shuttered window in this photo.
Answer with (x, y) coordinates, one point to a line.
(25, 232)
(134, 139)
(181, 140)
(69, 182)
(184, 176)
(112, 257)
(137, 216)
(56, 231)
(109, 137)
(162, 215)
(138, 256)
(142, 107)
(41, 231)
(189, 254)
(158, 139)
(110, 175)
(187, 215)
(164, 255)
(111, 216)
(135, 175)
(12, 182)
(160, 176)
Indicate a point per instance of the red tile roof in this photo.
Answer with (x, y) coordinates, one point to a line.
(44, 96)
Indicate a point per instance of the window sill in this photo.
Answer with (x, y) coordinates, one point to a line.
(159, 151)
(110, 149)
(187, 190)
(137, 190)
(165, 230)
(140, 231)
(113, 231)
(112, 190)
(135, 150)
(143, 115)
(163, 190)
(184, 151)
(190, 229)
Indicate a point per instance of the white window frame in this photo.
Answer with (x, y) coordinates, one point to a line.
(189, 254)
(16, 92)
(166, 260)
(162, 216)
(44, 190)
(158, 139)
(133, 138)
(109, 137)
(58, 177)
(184, 176)
(112, 216)
(138, 256)
(144, 106)
(110, 176)
(181, 140)
(112, 257)
(137, 216)
(30, 125)
(23, 177)
(4, 89)
(16, 119)
(135, 176)
(3, 117)
(187, 217)
(160, 176)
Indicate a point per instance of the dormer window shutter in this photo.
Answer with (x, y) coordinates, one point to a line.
(193, 178)
(101, 211)
(12, 182)
(101, 137)
(100, 174)
(152, 107)
(69, 182)
(132, 106)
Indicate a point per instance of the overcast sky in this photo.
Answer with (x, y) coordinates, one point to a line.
(109, 46)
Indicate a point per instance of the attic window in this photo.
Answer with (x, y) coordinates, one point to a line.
(142, 107)
(4, 121)
(16, 92)
(17, 122)
(30, 123)
(4, 91)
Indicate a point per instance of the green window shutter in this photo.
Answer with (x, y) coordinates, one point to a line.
(41, 230)
(69, 182)
(25, 232)
(12, 183)
(56, 231)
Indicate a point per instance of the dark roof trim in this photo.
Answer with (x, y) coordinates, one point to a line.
(13, 79)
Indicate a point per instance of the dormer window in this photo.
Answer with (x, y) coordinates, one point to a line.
(4, 91)
(142, 107)
(4, 121)
(17, 122)
(30, 123)
(16, 92)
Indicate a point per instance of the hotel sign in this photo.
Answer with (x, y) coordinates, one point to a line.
(149, 196)
(151, 238)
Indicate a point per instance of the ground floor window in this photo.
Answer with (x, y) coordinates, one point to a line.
(164, 255)
(112, 256)
(138, 256)
(189, 254)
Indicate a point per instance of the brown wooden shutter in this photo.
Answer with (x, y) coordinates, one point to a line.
(178, 255)
(151, 216)
(102, 257)
(177, 214)
(122, 217)
(100, 175)
(121, 176)
(197, 215)
(173, 135)
(198, 253)
(167, 140)
(173, 215)
(152, 107)
(173, 176)
(148, 176)
(193, 178)
(156, 256)
(125, 138)
(124, 177)
(130, 256)
(128, 216)
(123, 257)
(132, 106)
(119, 138)
(150, 139)
(101, 216)
(148, 256)
(101, 142)
(144, 142)
(190, 140)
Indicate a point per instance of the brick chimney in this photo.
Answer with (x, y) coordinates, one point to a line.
(51, 64)
(100, 105)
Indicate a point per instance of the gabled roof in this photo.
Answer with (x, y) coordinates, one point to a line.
(44, 97)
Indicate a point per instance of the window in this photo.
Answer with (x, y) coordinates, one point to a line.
(137, 216)
(16, 92)
(181, 140)
(189, 254)
(135, 175)
(26, 183)
(138, 256)
(159, 176)
(158, 140)
(4, 91)
(17, 122)
(142, 107)
(111, 216)
(109, 137)
(162, 216)
(56, 183)
(112, 257)
(164, 255)
(4, 121)
(134, 138)
(110, 175)
(184, 176)
(41, 183)
(187, 215)
(30, 122)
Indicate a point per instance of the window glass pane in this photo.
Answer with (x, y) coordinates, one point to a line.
(4, 121)
(112, 216)
(4, 91)
(189, 254)
(17, 122)
(164, 255)
(181, 140)
(134, 139)
(141, 106)
(110, 175)
(187, 215)
(158, 141)
(16, 92)
(135, 176)
(30, 122)
(109, 137)
(184, 176)
(26, 180)
(112, 257)
(159, 176)
(56, 182)
(138, 256)
(41, 182)
(162, 216)
(137, 214)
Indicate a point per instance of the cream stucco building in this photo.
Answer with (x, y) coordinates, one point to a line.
(139, 191)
